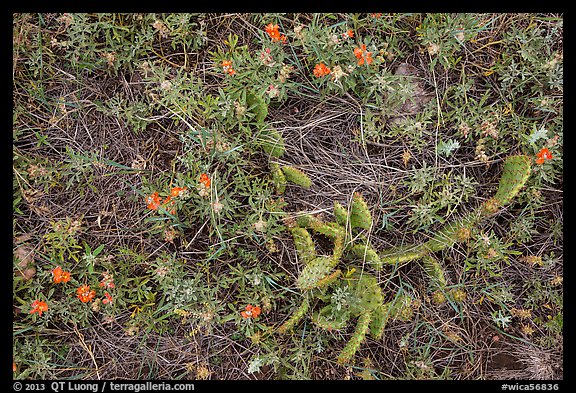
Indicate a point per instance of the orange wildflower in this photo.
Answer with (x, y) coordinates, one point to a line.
(204, 179)
(273, 32)
(85, 294)
(321, 70)
(363, 55)
(177, 191)
(39, 307)
(251, 312)
(348, 34)
(227, 67)
(376, 14)
(65, 277)
(14, 367)
(153, 201)
(169, 199)
(60, 275)
(543, 155)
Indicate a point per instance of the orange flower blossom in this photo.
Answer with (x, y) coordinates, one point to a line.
(204, 179)
(153, 201)
(321, 70)
(85, 294)
(542, 155)
(39, 307)
(251, 312)
(348, 34)
(273, 32)
(227, 67)
(363, 55)
(177, 191)
(60, 275)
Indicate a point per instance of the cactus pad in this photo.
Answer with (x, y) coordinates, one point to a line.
(514, 175)
(304, 245)
(271, 142)
(315, 271)
(341, 214)
(368, 254)
(296, 176)
(257, 106)
(295, 317)
(360, 216)
(352, 346)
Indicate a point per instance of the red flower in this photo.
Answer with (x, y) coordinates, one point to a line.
(60, 275)
(251, 312)
(542, 155)
(108, 298)
(85, 294)
(363, 55)
(321, 70)
(107, 280)
(153, 201)
(204, 179)
(39, 307)
(273, 32)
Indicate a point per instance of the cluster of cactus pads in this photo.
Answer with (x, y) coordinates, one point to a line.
(362, 297)
(350, 291)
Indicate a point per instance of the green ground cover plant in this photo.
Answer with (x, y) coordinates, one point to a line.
(287, 196)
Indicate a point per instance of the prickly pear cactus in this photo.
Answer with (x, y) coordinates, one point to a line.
(319, 277)
(515, 173)
(364, 300)
(257, 106)
(271, 142)
(282, 175)
(360, 216)
(296, 176)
